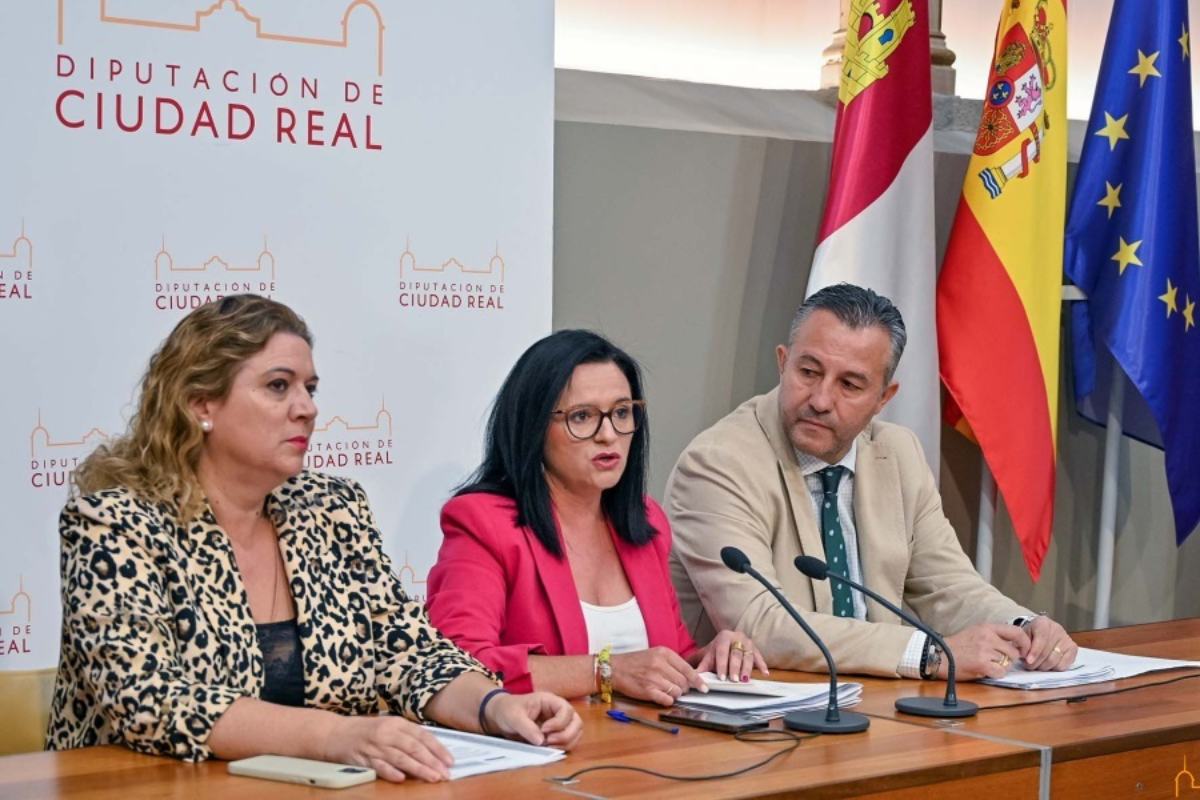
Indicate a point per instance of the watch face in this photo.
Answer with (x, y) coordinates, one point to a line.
(605, 670)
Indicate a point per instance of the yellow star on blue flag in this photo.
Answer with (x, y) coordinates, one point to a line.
(1145, 67)
(1113, 130)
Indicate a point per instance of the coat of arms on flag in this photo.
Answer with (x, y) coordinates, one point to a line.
(871, 37)
(1014, 108)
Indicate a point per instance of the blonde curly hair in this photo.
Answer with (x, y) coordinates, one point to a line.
(157, 458)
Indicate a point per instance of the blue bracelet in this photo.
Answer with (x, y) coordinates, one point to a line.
(483, 704)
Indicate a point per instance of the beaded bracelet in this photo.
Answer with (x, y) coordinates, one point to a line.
(604, 673)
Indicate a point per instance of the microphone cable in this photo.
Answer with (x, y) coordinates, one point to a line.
(751, 737)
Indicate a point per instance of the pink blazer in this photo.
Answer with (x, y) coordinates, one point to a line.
(497, 593)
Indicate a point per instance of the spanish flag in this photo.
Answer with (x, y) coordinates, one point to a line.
(999, 294)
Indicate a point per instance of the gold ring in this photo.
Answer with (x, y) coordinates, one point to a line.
(1057, 650)
(1003, 661)
(738, 646)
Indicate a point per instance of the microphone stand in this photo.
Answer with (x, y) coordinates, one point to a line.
(831, 721)
(949, 706)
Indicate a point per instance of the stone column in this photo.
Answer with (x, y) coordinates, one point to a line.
(941, 57)
(831, 65)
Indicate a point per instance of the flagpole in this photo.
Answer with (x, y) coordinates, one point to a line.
(1108, 498)
(987, 522)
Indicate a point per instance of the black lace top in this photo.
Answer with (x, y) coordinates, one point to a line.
(283, 671)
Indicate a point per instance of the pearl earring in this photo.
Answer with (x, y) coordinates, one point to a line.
(206, 425)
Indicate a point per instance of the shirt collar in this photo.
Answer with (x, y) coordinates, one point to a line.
(811, 465)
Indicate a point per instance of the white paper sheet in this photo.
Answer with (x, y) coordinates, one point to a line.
(475, 754)
(1091, 666)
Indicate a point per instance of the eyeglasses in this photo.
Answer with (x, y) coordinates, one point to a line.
(583, 422)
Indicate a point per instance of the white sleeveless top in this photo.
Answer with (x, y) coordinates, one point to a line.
(620, 626)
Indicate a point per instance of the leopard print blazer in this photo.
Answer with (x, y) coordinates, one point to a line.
(157, 638)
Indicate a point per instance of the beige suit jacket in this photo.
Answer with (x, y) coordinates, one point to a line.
(738, 484)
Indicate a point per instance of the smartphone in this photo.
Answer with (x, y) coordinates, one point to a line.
(713, 720)
(302, 770)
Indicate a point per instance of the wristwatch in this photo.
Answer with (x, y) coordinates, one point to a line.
(931, 660)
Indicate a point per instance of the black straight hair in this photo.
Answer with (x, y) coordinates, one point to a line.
(516, 438)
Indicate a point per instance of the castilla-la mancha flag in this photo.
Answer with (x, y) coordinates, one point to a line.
(999, 295)
(877, 230)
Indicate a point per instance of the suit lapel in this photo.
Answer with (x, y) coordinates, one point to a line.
(559, 585)
(650, 586)
(303, 555)
(306, 521)
(879, 523)
(807, 532)
(221, 597)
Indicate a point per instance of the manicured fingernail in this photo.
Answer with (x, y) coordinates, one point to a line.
(704, 688)
(745, 679)
(721, 677)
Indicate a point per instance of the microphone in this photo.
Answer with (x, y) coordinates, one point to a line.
(831, 721)
(950, 706)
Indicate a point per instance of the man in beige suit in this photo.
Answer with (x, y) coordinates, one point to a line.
(810, 451)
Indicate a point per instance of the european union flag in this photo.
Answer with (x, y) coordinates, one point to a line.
(1131, 242)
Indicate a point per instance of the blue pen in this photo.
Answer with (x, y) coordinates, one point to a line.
(621, 716)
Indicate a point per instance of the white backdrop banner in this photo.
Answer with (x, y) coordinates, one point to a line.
(383, 167)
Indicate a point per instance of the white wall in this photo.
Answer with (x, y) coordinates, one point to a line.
(452, 189)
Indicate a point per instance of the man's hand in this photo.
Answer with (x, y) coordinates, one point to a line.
(1050, 646)
(987, 650)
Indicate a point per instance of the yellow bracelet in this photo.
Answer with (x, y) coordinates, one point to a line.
(604, 673)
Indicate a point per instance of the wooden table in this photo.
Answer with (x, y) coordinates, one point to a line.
(891, 756)
(1098, 748)
(1104, 740)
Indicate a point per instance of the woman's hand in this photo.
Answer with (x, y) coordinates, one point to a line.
(392, 746)
(538, 717)
(732, 656)
(658, 674)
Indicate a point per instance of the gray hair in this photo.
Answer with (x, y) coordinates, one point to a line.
(857, 308)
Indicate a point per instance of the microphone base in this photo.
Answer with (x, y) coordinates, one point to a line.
(815, 722)
(936, 707)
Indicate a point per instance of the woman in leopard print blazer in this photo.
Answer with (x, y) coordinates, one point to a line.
(218, 600)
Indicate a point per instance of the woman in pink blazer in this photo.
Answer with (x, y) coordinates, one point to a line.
(553, 570)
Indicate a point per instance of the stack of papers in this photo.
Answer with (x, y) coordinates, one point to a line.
(763, 700)
(475, 754)
(1091, 666)
(1078, 675)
